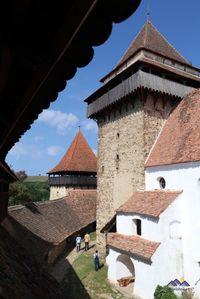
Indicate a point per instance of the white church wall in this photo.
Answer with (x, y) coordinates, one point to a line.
(144, 285)
(186, 177)
(153, 228)
(149, 228)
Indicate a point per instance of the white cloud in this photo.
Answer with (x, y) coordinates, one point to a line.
(61, 121)
(53, 150)
(89, 125)
(21, 150)
(18, 150)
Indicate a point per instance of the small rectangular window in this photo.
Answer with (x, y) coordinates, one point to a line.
(139, 227)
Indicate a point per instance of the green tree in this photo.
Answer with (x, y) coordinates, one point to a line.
(164, 292)
(18, 194)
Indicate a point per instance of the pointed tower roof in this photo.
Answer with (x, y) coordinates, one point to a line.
(78, 158)
(150, 38)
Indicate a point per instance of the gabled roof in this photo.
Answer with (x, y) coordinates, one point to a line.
(150, 38)
(179, 140)
(39, 226)
(135, 245)
(151, 203)
(55, 220)
(78, 158)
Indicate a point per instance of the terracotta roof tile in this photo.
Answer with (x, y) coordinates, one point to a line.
(135, 245)
(151, 203)
(179, 140)
(78, 158)
(47, 224)
(150, 38)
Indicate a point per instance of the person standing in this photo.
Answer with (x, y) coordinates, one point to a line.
(78, 243)
(96, 261)
(87, 241)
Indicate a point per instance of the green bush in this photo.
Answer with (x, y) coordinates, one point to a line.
(164, 292)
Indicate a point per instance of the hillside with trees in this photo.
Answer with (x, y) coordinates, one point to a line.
(28, 189)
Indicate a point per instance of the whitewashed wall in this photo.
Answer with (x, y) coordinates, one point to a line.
(186, 177)
(57, 192)
(144, 284)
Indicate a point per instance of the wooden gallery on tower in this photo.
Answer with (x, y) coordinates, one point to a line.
(136, 98)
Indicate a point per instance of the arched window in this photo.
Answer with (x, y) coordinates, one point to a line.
(162, 182)
(175, 230)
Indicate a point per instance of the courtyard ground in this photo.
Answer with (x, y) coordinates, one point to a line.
(75, 272)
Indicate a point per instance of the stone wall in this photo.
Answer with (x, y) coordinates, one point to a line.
(57, 192)
(126, 136)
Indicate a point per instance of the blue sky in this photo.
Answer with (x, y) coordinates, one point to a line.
(42, 147)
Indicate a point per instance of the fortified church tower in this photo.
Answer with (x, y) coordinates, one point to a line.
(130, 108)
(76, 170)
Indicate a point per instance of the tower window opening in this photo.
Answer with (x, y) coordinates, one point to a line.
(162, 183)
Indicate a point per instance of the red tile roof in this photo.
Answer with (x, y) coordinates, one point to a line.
(151, 203)
(78, 158)
(150, 38)
(134, 245)
(179, 140)
(54, 220)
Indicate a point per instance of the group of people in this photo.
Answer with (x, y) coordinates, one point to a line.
(79, 240)
(87, 241)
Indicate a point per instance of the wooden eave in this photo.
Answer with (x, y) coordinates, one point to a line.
(117, 68)
(141, 64)
(142, 74)
(42, 45)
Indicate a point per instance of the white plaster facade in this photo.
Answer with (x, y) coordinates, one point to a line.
(57, 192)
(177, 229)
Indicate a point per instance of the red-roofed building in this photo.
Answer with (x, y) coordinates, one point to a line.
(131, 107)
(157, 228)
(76, 170)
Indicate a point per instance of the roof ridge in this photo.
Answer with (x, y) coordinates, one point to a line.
(79, 157)
(141, 41)
(169, 43)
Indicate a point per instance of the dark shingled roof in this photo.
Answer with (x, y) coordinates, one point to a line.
(78, 158)
(149, 38)
(179, 140)
(21, 277)
(43, 225)
(151, 203)
(135, 245)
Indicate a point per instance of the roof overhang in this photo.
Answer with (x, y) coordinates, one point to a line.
(42, 45)
(135, 81)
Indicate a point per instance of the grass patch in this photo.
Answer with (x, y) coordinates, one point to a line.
(83, 282)
(93, 236)
(36, 178)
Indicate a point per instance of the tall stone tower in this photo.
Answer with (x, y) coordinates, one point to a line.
(130, 108)
(76, 170)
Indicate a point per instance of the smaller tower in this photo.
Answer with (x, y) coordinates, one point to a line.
(76, 170)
